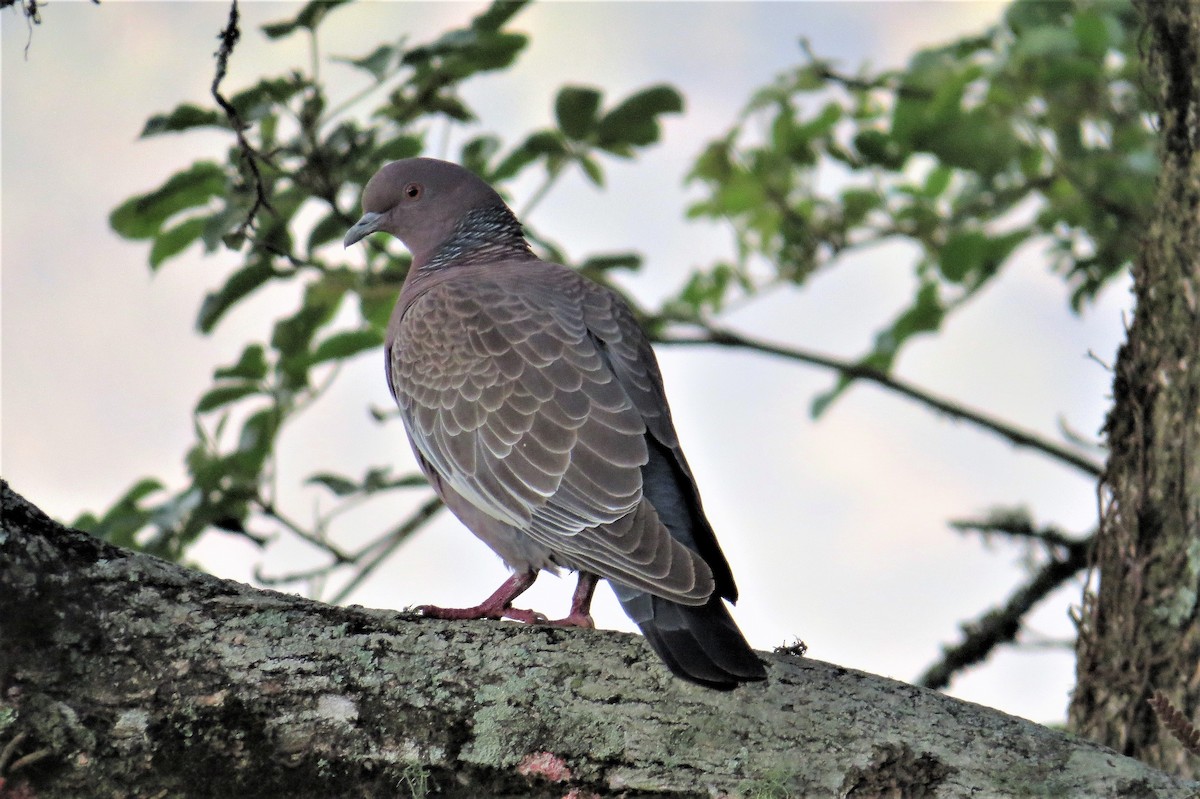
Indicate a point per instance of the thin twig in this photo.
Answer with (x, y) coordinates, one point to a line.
(229, 38)
(857, 371)
(885, 82)
(315, 539)
(1001, 625)
(288, 578)
(552, 176)
(1015, 528)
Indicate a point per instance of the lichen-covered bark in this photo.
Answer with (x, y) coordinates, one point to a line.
(1140, 632)
(129, 676)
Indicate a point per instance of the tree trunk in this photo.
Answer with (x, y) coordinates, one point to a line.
(124, 675)
(1140, 632)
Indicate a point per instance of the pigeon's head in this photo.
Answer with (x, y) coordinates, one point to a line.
(430, 204)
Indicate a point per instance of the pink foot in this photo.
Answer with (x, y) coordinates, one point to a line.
(573, 620)
(483, 611)
(497, 606)
(581, 604)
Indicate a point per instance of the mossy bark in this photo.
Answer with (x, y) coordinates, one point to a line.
(1140, 630)
(124, 675)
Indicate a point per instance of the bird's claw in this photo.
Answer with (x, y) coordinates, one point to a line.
(482, 612)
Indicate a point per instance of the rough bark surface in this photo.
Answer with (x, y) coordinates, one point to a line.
(124, 675)
(1140, 632)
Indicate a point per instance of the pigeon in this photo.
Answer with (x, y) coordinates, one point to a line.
(534, 405)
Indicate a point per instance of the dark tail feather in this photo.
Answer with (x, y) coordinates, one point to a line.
(698, 643)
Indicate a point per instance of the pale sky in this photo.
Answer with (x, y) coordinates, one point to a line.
(836, 530)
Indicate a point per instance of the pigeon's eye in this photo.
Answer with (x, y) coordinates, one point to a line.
(413, 190)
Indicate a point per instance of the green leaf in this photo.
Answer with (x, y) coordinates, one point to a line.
(140, 490)
(497, 14)
(171, 516)
(575, 108)
(240, 284)
(255, 443)
(252, 365)
(341, 486)
(706, 290)
(1025, 14)
(1092, 32)
(222, 395)
(258, 101)
(293, 334)
(331, 228)
(635, 121)
(308, 19)
(125, 518)
(857, 203)
(464, 52)
(542, 143)
(377, 479)
(962, 255)
(142, 216)
(924, 315)
(477, 152)
(937, 181)
(592, 169)
(376, 301)
(378, 63)
(1046, 41)
(450, 106)
(174, 240)
(977, 140)
(998, 250)
(219, 226)
(345, 344)
(404, 146)
(798, 139)
(877, 147)
(545, 142)
(183, 117)
(822, 401)
(714, 164)
(631, 261)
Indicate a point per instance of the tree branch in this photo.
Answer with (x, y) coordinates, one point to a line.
(139, 677)
(229, 38)
(711, 335)
(1016, 525)
(1001, 625)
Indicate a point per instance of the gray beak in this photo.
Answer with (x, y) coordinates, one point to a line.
(365, 226)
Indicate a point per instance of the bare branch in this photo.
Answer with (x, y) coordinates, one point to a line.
(316, 539)
(888, 81)
(1014, 525)
(1001, 625)
(231, 686)
(1022, 438)
(229, 37)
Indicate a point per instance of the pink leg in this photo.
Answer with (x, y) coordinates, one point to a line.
(581, 603)
(497, 606)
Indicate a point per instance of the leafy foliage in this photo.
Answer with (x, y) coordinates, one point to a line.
(1034, 132)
